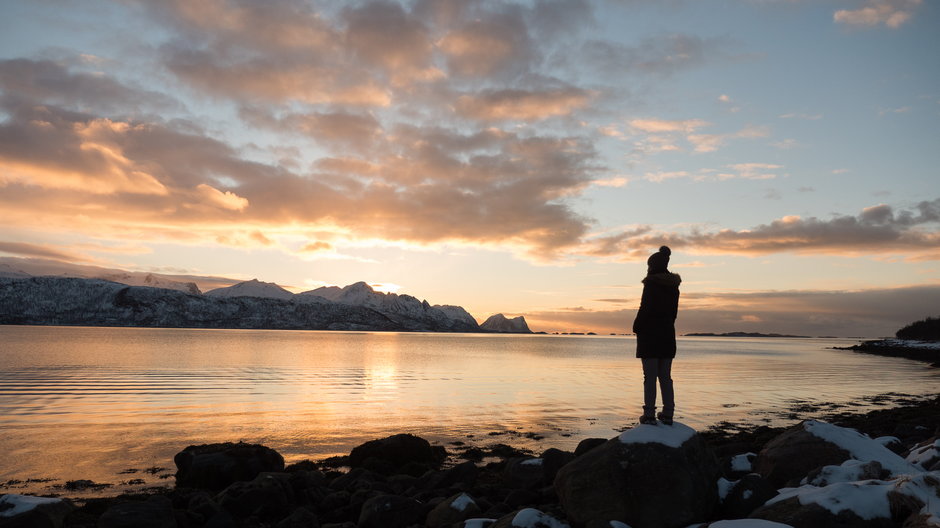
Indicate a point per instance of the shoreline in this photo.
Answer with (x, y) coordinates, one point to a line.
(902, 412)
(924, 351)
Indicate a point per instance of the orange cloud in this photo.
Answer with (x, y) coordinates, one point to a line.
(891, 13)
(520, 105)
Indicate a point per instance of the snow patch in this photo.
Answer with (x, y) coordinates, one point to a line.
(531, 518)
(869, 498)
(462, 502)
(850, 471)
(924, 454)
(618, 524)
(532, 462)
(669, 435)
(861, 447)
(13, 504)
(478, 523)
(742, 463)
(908, 343)
(725, 486)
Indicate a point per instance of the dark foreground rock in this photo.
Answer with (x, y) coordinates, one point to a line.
(215, 466)
(653, 476)
(790, 456)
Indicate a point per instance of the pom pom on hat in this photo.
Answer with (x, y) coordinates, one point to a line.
(659, 261)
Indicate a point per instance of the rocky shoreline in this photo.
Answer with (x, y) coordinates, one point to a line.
(648, 476)
(927, 351)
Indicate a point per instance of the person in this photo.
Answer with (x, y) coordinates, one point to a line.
(655, 329)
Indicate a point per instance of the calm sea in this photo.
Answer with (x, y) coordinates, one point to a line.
(96, 403)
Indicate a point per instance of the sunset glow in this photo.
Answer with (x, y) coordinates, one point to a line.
(516, 157)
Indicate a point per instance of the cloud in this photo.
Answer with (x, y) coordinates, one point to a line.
(43, 251)
(497, 43)
(662, 54)
(520, 105)
(877, 229)
(891, 13)
(663, 134)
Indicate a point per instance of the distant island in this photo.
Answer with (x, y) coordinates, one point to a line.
(159, 302)
(738, 334)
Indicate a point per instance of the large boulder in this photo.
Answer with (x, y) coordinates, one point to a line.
(156, 512)
(811, 444)
(651, 476)
(401, 453)
(391, 511)
(455, 509)
(28, 511)
(215, 466)
(863, 504)
(267, 496)
(746, 495)
(926, 454)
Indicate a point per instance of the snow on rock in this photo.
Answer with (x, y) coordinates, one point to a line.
(724, 487)
(478, 523)
(618, 524)
(151, 281)
(743, 463)
(13, 504)
(868, 499)
(457, 313)
(669, 435)
(860, 446)
(850, 471)
(253, 288)
(906, 343)
(532, 518)
(748, 523)
(532, 462)
(925, 455)
(462, 502)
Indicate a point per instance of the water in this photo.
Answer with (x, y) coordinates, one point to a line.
(93, 403)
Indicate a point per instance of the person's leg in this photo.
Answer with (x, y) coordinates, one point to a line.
(664, 373)
(650, 373)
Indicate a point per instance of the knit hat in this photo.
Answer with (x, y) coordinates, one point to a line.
(659, 261)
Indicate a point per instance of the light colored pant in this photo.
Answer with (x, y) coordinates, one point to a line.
(661, 369)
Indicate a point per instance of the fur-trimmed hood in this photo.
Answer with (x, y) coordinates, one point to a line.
(664, 279)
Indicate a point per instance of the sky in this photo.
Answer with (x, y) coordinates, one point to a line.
(515, 157)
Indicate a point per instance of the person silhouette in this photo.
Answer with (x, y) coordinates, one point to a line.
(655, 329)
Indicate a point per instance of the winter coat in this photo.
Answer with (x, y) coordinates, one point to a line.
(655, 323)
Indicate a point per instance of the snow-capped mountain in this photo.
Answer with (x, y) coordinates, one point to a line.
(152, 281)
(253, 288)
(402, 308)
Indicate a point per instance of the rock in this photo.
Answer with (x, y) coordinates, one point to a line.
(524, 473)
(391, 511)
(156, 512)
(588, 444)
(893, 444)
(215, 466)
(789, 457)
(871, 503)
(849, 471)
(462, 475)
(747, 494)
(529, 518)
(455, 509)
(554, 460)
(811, 444)
(500, 323)
(269, 496)
(300, 518)
(650, 476)
(28, 511)
(926, 454)
(477, 523)
(395, 454)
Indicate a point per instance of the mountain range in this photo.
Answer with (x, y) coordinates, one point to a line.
(118, 298)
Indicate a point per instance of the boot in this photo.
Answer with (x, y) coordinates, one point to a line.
(647, 419)
(666, 420)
